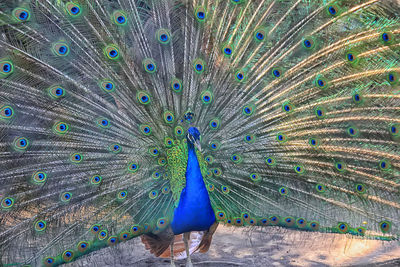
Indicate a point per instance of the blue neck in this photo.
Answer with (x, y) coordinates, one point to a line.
(194, 211)
(194, 178)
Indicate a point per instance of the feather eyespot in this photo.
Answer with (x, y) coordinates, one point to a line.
(124, 236)
(67, 256)
(313, 225)
(320, 112)
(154, 151)
(103, 123)
(320, 188)
(206, 97)
(227, 50)
(60, 49)
(352, 58)
(392, 78)
(360, 188)
(248, 110)
(238, 222)
(343, 227)
(119, 18)
(236, 158)
(209, 159)
(240, 76)
(358, 98)
(153, 194)
(201, 14)
(39, 177)
(163, 36)
(102, 235)
(40, 225)
(6, 68)
(107, 86)
(225, 189)
(95, 180)
(73, 9)
(283, 191)
(169, 117)
(145, 129)
(76, 158)
(21, 14)
(179, 131)
(56, 92)
(217, 172)
(95, 228)
(220, 215)
(149, 65)
(281, 138)
(82, 246)
(115, 148)
(361, 230)
(133, 167)
(384, 165)
(122, 195)
(176, 85)
(61, 128)
(314, 142)
(321, 82)
(199, 65)
(214, 124)
(289, 221)
(259, 35)
(353, 131)
(65, 197)
(276, 73)
(143, 98)
(385, 226)
(165, 190)
(274, 220)
(215, 145)
(394, 129)
(301, 223)
(111, 51)
(333, 10)
(21, 143)
(255, 177)
(308, 43)
(112, 240)
(387, 38)
(287, 107)
(136, 229)
(156, 175)
(7, 202)
(162, 223)
(263, 222)
(340, 166)
(48, 262)
(270, 161)
(210, 187)
(6, 112)
(249, 138)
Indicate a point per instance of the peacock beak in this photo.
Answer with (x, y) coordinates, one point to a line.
(197, 144)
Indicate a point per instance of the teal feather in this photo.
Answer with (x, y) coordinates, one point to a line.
(297, 103)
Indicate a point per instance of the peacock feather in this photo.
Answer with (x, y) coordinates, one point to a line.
(153, 118)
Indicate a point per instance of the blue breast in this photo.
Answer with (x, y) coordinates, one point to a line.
(194, 211)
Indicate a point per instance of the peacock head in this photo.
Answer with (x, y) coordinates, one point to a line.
(193, 137)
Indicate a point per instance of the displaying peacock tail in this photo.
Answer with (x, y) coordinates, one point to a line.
(297, 103)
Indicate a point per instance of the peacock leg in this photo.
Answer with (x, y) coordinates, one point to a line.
(172, 252)
(186, 237)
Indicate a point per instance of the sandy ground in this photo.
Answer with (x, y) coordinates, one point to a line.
(270, 246)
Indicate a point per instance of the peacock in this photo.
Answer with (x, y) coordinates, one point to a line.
(162, 119)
